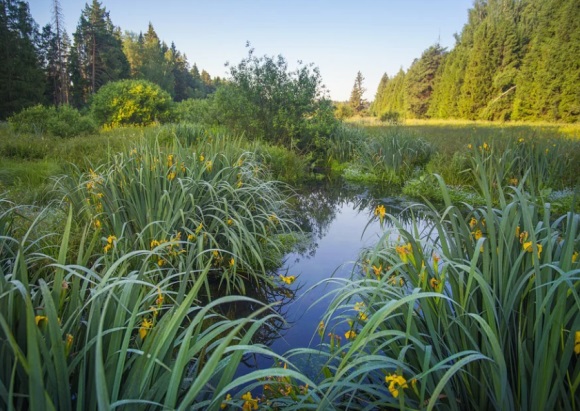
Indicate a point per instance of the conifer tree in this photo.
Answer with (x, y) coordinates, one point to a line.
(378, 102)
(61, 45)
(420, 79)
(356, 101)
(156, 65)
(22, 80)
(97, 55)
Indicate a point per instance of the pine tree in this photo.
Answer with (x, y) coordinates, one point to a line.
(97, 55)
(184, 82)
(61, 45)
(420, 79)
(377, 104)
(156, 65)
(356, 101)
(22, 80)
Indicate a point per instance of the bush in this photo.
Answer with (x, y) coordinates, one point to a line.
(266, 101)
(194, 111)
(131, 102)
(63, 121)
(68, 122)
(391, 117)
(343, 110)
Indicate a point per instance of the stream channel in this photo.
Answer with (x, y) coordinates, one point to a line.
(339, 218)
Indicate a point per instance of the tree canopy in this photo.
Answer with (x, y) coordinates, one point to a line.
(513, 60)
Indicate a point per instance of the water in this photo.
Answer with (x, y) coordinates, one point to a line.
(341, 221)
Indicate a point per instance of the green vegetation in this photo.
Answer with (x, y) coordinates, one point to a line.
(137, 260)
(479, 309)
(62, 121)
(512, 61)
(265, 101)
(98, 330)
(478, 312)
(130, 102)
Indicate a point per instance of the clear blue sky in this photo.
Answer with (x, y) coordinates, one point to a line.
(340, 37)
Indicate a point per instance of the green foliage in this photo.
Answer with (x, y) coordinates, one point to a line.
(394, 155)
(390, 155)
(194, 111)
(62, 121)
(343, 111)
(21, 76)
(512, 61)
(100, 333)
(265, 101)
(419, 81)
(391, 117)
(477, 311)
(390, 97)
(345, 142)
(356, 101)
(131, 102)
(282, 164)
(203, 204)
(96, 57)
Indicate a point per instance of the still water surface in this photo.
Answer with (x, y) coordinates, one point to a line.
(341, 222)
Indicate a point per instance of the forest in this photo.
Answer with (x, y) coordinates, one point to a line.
(513, 60)
(46, 67)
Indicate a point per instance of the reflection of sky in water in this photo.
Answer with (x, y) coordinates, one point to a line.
(343, 225)
(335, 255)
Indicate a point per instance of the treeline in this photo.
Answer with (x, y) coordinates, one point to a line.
(514, 60)
(43, 66)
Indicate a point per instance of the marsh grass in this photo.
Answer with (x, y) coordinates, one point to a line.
(108, 334)
(391, 156)
(480, 311)
(191, 206)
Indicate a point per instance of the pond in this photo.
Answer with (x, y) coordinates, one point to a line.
(339, 218)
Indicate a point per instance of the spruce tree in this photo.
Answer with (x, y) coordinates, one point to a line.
(420, 79)
(97, 55)
(378, 103)
(22, 80)
(356, 101)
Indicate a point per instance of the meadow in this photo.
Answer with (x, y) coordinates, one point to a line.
(123, 252)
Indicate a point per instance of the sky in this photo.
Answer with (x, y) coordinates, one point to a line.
(340, 37)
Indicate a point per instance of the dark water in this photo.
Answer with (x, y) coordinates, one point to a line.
(340, 221)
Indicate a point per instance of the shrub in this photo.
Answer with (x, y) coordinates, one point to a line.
(343, 110)
(62, 121)
(194, 111)
(266, 101)
(131, 102)
(391, 117)
(68, 122)
(33, 120)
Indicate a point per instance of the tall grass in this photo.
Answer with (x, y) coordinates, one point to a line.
(106, 333)
(478, 311)
(190, 207)
(391, 156)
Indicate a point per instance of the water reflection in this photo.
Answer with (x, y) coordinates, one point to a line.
(317, 207)
(340, 222)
